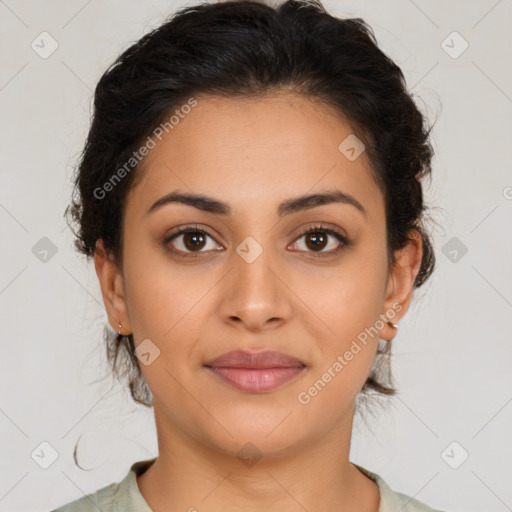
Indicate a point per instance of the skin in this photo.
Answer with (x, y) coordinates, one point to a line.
(253, 154)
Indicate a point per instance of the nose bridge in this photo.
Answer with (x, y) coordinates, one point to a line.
(254, 294)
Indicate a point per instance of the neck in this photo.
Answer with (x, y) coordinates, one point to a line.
(189, 475)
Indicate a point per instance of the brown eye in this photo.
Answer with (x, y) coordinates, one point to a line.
(318, 238)
(191, 240)
(316, 241)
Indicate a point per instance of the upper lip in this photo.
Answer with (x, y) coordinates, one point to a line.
(255, 360)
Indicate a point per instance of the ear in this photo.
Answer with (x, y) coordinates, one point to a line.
(112, 288)
(401, 283)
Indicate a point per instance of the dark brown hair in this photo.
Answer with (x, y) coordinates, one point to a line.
(249, 49)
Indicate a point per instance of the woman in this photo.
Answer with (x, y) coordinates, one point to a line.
(251, 194)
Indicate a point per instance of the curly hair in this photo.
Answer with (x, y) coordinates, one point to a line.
(250, 49)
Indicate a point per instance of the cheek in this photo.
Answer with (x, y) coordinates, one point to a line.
(347, 297)
(161, 305)
(349, 301)
(159, 294)
(165, 307)
(349, 306)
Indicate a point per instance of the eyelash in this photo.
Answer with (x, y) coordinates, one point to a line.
(319, 228)
(345, 242)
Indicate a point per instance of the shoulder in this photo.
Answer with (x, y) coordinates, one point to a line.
(123, 496)
(392, 501)
(102, 499)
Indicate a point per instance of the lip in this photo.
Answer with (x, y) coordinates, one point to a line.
(256, 371)
(255, 360)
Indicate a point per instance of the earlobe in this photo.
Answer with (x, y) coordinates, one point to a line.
(401, 282)
(112, 287)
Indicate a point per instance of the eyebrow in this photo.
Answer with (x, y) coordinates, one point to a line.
(293, 205)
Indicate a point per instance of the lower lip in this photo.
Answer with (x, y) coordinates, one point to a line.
(256, 380)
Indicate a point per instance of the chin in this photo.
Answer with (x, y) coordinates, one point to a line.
(267, 435)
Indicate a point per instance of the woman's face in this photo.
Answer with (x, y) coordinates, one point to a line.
(254, 282)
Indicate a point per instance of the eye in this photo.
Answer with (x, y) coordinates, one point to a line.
(190, 239)
(317, 239)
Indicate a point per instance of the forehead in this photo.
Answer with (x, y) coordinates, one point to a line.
(254, 153)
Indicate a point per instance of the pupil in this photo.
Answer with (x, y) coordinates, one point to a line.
(196, 237)
(316, 236)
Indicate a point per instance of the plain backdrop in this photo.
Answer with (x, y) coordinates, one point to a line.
(445, 439)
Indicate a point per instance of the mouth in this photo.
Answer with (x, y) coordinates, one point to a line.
(256, 371)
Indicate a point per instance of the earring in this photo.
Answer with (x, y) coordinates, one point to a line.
(389, 322)
(119, 332)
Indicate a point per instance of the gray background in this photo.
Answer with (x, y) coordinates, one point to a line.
(453, 352)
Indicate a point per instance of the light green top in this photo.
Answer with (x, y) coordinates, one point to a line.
(126, 497)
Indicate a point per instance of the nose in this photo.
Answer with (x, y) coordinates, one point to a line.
(255, 296)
